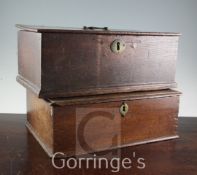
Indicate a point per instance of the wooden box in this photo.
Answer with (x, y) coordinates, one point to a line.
(78, 126)
(60, 62)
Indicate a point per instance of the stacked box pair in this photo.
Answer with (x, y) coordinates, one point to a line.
(95, 89)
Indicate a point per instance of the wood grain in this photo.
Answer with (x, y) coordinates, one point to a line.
(81, 128)
(40, 121)
(45, 29)
(29, 60)
(78, 64)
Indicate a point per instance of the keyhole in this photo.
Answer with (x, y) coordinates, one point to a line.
(118, 46)
(123, 108)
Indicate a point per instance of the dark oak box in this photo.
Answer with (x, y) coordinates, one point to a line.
(59, 62)
(78, 126)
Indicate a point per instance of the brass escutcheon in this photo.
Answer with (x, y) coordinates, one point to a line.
(118, 46)
(124, 109)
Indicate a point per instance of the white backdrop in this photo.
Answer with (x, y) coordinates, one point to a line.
(146, 15)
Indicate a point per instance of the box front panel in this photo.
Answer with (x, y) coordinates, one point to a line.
(81, 64)
(90, 128)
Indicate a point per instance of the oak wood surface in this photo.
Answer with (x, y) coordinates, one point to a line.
(39, 115)
(80, 128)
(21, 154)
(29, 60)
(77, 64)
(43, 29)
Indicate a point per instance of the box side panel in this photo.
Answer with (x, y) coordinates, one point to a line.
(82, 64)
(40, 121)
(147, 120)
(29, 60)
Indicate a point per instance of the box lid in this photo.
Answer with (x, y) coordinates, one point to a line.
(91, 30)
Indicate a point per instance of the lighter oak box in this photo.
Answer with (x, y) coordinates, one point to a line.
(151, 116)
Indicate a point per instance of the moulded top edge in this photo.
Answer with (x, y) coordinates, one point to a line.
(114, 97)
(48, 29)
